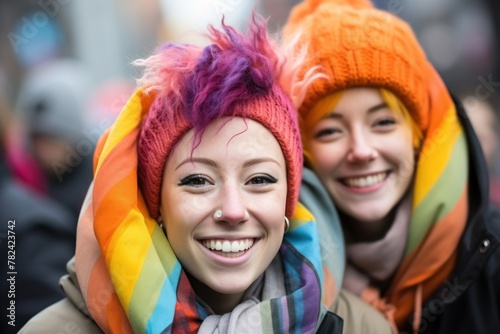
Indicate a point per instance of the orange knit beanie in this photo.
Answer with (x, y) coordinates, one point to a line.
(359, 45)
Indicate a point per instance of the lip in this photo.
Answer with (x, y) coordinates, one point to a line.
(365, 190)
(229, 261)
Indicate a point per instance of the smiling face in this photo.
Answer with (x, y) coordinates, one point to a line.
(362, 152)
(239, 169)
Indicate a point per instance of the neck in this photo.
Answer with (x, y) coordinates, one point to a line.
(220, 303)
(362, 231)
(370, 231)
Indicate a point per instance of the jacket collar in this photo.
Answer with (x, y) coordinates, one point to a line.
(478, 183)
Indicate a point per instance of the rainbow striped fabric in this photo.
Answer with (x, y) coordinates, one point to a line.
(440, 204)
(129, 276)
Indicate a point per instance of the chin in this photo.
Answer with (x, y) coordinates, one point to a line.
(368, 215)
(229, 289)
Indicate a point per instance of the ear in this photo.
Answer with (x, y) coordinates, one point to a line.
(160, 221)
(160, 218)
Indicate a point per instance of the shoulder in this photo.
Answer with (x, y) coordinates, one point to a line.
(493, 221)
(359, 317)
(492, 243)
(331, 324)
(493, 226)
(61, 317)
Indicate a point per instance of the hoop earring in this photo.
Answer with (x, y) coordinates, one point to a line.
(162, 226)
(287, 224)
(217, 214)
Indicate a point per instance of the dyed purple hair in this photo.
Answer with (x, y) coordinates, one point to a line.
(208, 83)
(236, 75)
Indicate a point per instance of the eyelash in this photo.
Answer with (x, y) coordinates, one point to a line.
(386, 121)
(332, 131)
(325, 132)
(267, 179)
(190, 180)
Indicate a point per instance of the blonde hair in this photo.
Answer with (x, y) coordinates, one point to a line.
(325, 106)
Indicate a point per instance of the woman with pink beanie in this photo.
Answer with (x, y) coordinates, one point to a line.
(192, 222)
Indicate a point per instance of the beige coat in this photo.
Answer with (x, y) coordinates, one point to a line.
(71, 315)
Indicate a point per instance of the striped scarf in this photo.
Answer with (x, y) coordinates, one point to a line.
(439, 211)
(129, 276)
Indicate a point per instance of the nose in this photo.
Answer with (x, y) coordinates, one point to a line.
(361, 148)
(233, 208)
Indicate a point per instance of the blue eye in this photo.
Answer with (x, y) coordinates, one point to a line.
(194, 180)
(262, 180)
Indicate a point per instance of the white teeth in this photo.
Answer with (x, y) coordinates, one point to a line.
(235, 246)
(228, 246)
(368, 181)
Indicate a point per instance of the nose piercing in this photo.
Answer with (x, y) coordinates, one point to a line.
(218, 214)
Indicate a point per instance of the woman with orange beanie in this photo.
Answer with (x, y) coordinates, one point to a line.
(397, 156)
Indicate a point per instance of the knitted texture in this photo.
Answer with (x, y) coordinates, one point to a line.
(130, 277)
(161, 131)
(234, 77)
(358, 45)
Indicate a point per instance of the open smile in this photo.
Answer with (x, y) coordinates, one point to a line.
(228, 248)
(365, 181)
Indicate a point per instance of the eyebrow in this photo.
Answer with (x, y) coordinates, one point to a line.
(205, 161)
(257, 161)
(375, 108)
(212, 163)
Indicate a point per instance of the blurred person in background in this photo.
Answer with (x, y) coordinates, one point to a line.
(484, 119)
(38, 235)
(52, 102)
(104, 106)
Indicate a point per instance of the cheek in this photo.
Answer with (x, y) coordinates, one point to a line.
(404, 156)
(274, 204)
(180, 226)
(184, 212)
(325, 157)
(177, 212)
(270, 209)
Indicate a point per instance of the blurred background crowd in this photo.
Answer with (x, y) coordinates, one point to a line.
(65, 73)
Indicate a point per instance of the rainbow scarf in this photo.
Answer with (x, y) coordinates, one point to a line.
(129, 276)
(439, 211)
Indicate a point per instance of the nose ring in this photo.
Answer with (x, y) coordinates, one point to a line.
(218, 214)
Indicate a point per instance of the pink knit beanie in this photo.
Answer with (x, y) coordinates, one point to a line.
(236, 76)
